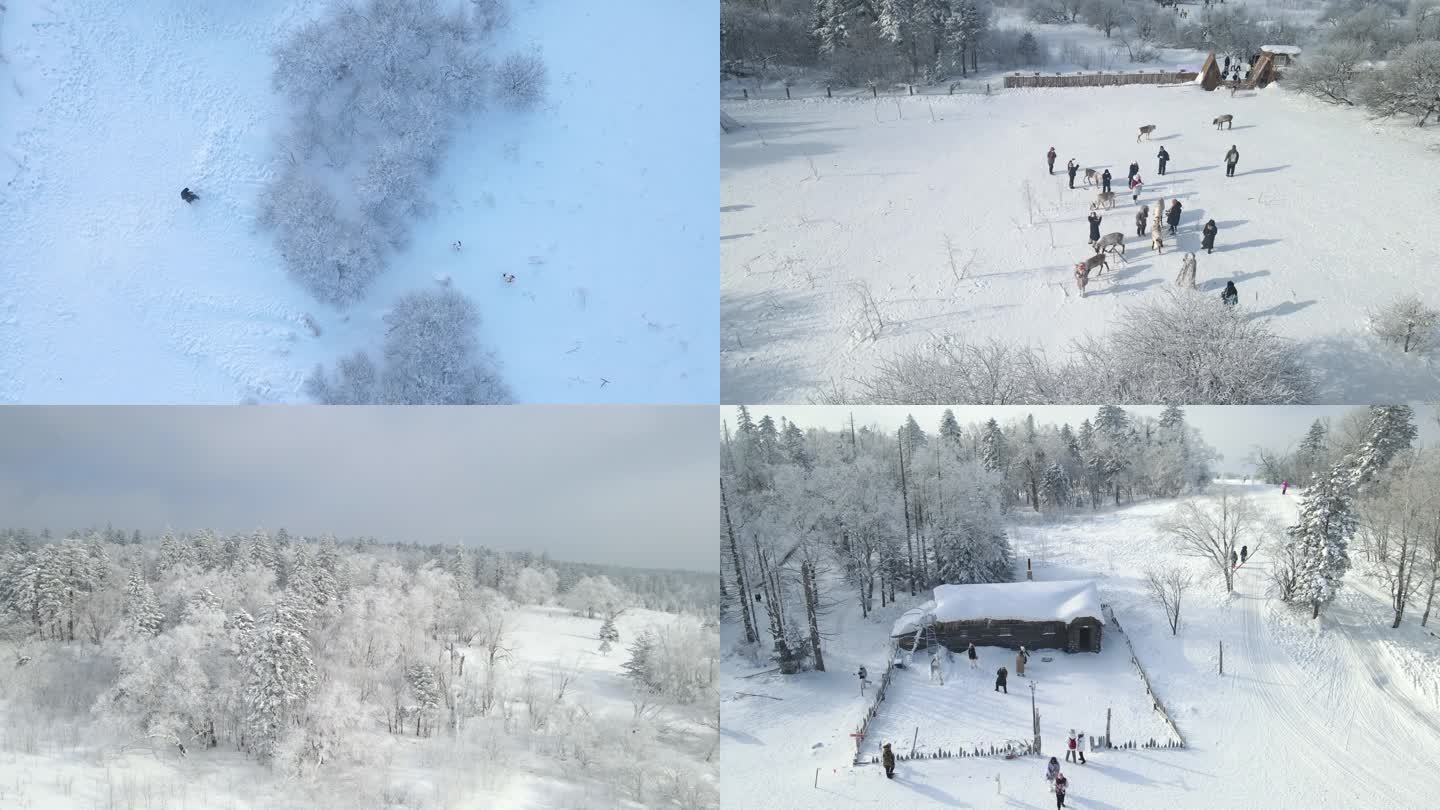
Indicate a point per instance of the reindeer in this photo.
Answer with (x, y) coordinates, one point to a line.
(1105, 199)
(1082, 270)
(1092, 177)
(1109, 244)
(1145, 132)
(1225, 120)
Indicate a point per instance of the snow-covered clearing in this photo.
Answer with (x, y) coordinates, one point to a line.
(1337, 714)
(912, 212)
(47, 764)
(113, 290)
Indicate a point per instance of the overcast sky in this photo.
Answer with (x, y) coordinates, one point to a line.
(631, 485)
(1231, 430)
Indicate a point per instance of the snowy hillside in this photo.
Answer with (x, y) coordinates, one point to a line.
(114, 290)
(1339, 713)
(854, 230)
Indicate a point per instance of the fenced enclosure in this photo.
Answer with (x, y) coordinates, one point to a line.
(874, 91)
(1100, 79)
(1149, 690)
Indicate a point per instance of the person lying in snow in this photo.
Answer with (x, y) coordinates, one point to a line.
(188, 196)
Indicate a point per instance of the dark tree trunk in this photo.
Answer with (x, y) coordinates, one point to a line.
(745, 610)
(905, 504)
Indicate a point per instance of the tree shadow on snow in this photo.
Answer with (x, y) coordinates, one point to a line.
(736, 236)
(1278, 310)
(755, 323)
(1353, 368)
(740, 737)
(730, 209)
(1119, 289)
(1218, 284)
(930, 792)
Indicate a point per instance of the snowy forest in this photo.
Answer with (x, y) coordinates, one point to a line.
(814, 516)
(1385, 56)
(1371, 500)
(358, 673)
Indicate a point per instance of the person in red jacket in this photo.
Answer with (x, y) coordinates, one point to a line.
(1284, 487)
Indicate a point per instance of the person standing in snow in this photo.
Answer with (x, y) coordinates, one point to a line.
(935, 673)
(1094, 225)
(888, 758)
(1062, 786)
(1051, 771)
(1050, 159)
(1244, 552)
(1136, 183)
(1070, 747)
(1208, 240)
(1231, 158)
(1134, 170)
(1140, 219)
(973, 655)
(1230, 295)
(1284, 487)
(1000, 675)
(1080, 746)
(1071, 168)
(1172, 217)
(1020, 659)
(1234, 558)
(1105, 181)
(1163, 157)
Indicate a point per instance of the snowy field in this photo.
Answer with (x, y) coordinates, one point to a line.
(1072, 691)
(113, 290)
(50, 765)
(915, 209)
(1339, 713)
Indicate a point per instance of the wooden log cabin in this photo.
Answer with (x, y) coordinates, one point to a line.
(1062, 615)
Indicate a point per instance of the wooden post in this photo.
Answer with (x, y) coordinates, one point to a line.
(827, 92)
(1222, 657)
(914, 740)
(912, 89)
(875, 91)
(1029, 574)
(817, 778)
(746, 92)
(1107, 728)
(787, 92)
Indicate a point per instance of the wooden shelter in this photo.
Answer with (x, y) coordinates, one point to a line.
(1062, 615)
(1281, 55)
(1210, 77)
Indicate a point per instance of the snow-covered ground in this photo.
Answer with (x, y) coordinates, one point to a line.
(113, 290)
(918, 204)
(68, 766)
(1334, 714)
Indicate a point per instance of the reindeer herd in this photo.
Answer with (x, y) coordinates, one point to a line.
(1113, 244)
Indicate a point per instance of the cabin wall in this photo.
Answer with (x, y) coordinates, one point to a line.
(1012, 633)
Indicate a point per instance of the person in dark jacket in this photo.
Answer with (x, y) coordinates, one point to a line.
(1062, 786)
(1105, 181)
(974, 656)
(1227, 64)
(1050, 159)
(1208, 240)
(188, 196)
(1244, 553)
(1172, 217)
(1071, 168)
(1094, 224)
(1141, 218)
(1163, 157)
(1000, 675)
(1234, 558)
(1231, 158)
(1134, 170)
(1230, 295)
(888, 758)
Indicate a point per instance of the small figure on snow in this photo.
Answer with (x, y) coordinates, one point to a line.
(1172, 217)
(1071, 168)
(1141, 217)
(888, 758)
(188, 196)
(1163, 157)
(1000, 675)
(1234, 558)
(1207, 240)
(1187, 272)
(1062, 786)
(1230, 295)
(1136, 183)
(973, 656)
(455, 246)
(1070, 747)
(1050, 159)
(935, 673)
(1244, 552)
(1080, 746)
(1020, 660)
(1094, 224)
(1132, 171)
(1284, 487)
(1051, 771)
(1231, 158)
(1105, 181)
(509, 277)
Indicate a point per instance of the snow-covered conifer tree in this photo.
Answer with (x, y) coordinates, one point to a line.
(280, 675)
(142, 609)
(609, 636)
(1319, 540)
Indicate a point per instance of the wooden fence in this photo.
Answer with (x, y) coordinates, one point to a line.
(875, 702)
(1017, 80)
(1155, 701)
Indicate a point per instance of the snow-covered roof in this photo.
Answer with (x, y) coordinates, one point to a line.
(1293, 50)
(1062, 601)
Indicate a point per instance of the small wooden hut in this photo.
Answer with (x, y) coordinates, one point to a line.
(1210, 77)
(1281, 55)
(1062, 615)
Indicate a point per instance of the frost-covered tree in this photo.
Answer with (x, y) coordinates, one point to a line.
(520, 80)
(425, 691)
(533, 586)
(638, 666)
(609, 636)
(1390, 430)
(1407, 322)
(280, 676)
(1332, 73)
(1319, 541)
(142, 609)
(1408, 84)
(431, 357)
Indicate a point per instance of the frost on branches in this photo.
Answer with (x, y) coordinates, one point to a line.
(1319, 540)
